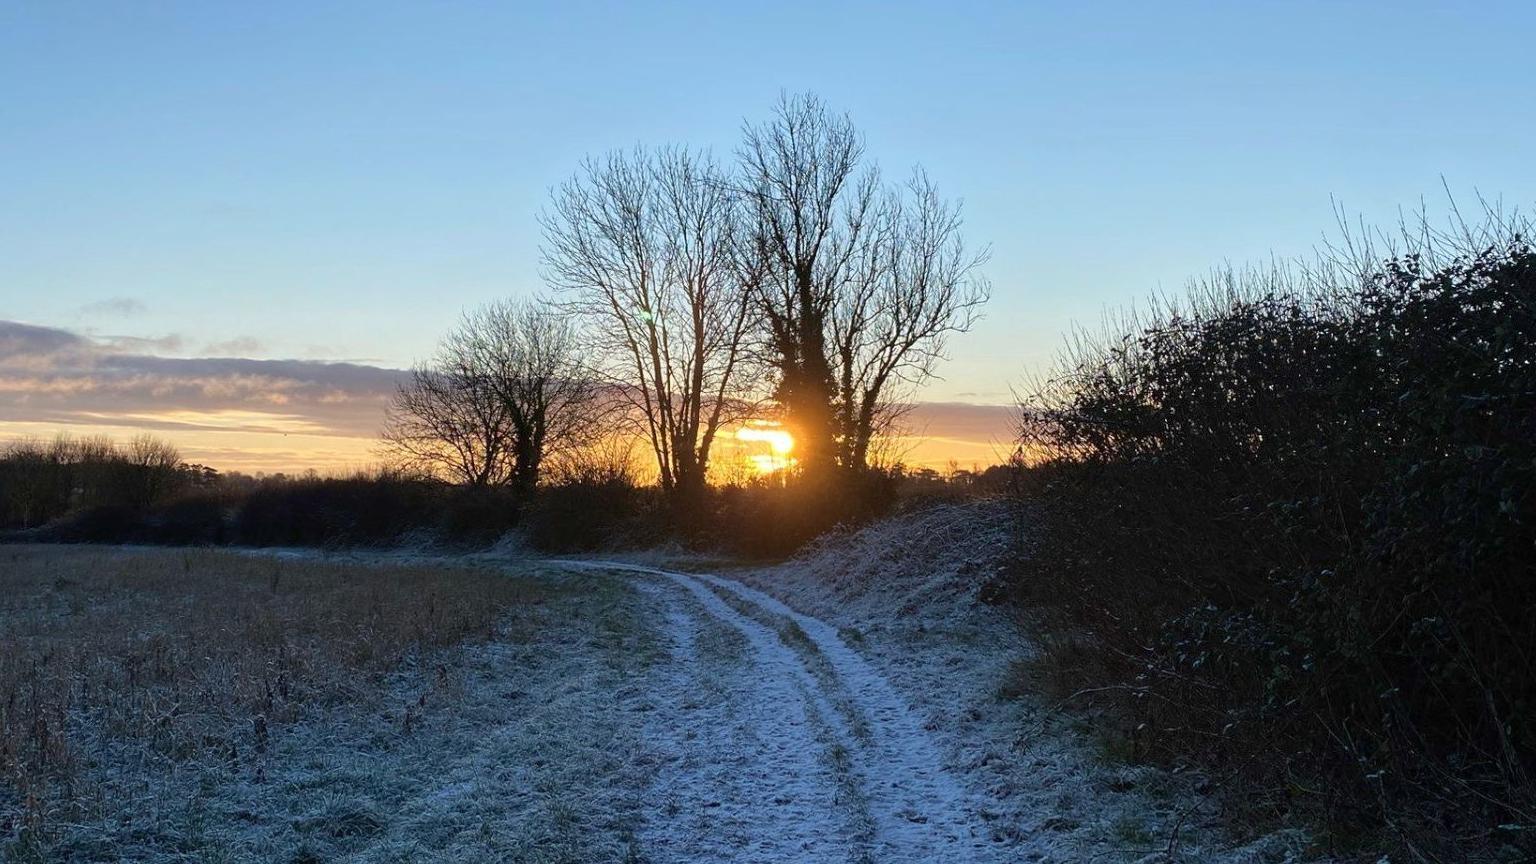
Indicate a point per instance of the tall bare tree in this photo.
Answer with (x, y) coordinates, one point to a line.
(810, 204)
(643, 246)
(914, 284)
(506, 391)
(861, 284)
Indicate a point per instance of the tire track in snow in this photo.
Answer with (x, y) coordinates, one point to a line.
(918, 811)
(740, 778)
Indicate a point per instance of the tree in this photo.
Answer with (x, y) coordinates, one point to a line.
(29, 481)
(643, 247)
(914, 284)
(42, 481)
(536, 369)
(860, 284)
(154, 469)
(443, 423)
(506, 390)
(809, 204)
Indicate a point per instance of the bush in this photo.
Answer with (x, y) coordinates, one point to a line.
(588, 504)
(477, 516)
(191, 520)
(322, 512)
(772, 519)
(1294, 524)
(107, 523)
(584, 516)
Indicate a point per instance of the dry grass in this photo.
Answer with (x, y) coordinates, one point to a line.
(158, 657)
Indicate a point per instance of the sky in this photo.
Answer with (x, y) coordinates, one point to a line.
(205, 207)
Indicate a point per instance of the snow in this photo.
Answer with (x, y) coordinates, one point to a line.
(525, 748)
(740, 778)
(952, 770)
(842, 706)
(915, 805)
(909, 586)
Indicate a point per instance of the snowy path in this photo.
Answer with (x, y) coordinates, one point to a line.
(681, 718)
(814, 757)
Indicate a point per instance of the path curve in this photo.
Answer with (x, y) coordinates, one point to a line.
(913, 809)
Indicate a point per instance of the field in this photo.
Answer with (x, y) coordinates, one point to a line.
(167, 705)
(200, 705)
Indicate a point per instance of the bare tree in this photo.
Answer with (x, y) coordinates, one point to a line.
(810, 204)
(535, 367)
(610, 460)
(642, 246)
(860, 285)
(154, 466)
(506, 391)
(29, 482)
(442, 423)
(914, 284)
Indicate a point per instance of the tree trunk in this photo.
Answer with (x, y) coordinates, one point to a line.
(529, 452)
(807, 398)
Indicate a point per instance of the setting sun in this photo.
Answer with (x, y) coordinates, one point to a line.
(779, 442)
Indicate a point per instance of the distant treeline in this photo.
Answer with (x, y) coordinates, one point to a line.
(42, 481)
(1291, 529)
(96, 491)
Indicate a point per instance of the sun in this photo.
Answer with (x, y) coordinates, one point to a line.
(780, 444)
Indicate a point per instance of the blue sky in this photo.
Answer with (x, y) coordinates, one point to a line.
(338, 180)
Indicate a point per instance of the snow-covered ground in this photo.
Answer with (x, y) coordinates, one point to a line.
(826, 783)
(880, 632)
(526, 748)
(846, 706)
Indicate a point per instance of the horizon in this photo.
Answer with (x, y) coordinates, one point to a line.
(233, 227)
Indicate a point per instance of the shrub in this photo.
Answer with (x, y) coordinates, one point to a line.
(1293, 522)
(583, 516)
(106, 523)
(191, 520)
(352, 511)
(477, 516)
(773, 519)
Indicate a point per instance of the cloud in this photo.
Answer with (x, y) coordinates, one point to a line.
(962, 420)
(112, 307)
(53, 375)
(934, 433)
(20, 342)
(137, 344)
(54, 379)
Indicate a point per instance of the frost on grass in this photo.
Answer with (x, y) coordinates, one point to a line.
(296, 708)
(488, 727)
(903, 595)
(739, 770)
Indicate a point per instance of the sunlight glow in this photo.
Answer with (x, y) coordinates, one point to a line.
(779, 442)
